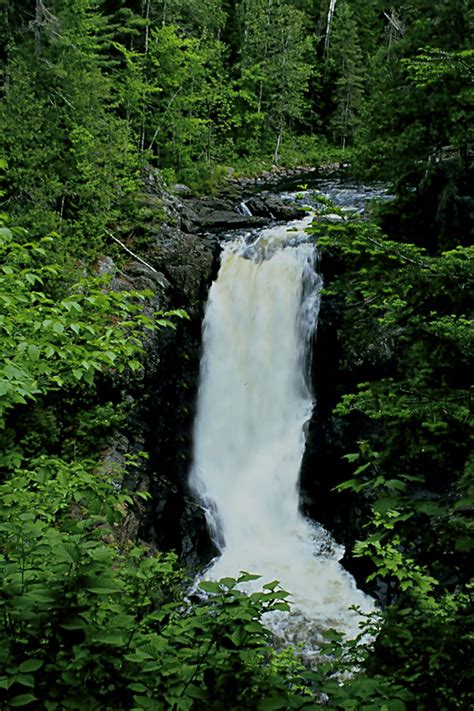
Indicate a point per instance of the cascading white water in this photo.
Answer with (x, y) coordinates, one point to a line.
(243, 209)
(253, 405)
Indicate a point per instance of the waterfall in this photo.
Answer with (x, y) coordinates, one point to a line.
(244, 209)
(254, 404)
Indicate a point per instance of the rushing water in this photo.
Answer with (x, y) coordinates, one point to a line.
(253, 407)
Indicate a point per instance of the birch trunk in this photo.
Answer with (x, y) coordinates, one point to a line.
(39, 10)
(332, 7)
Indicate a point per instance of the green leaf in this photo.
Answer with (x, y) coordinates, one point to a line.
(75, 623)
(88, 377)
(272, 585)
(31, 665)
(137, 657)
(209, 586)
(144, 702)
(276, 595)
(247, 577)
(353, 484)
(103, 589)
(58, 327)
(71, 552)
(33, 352)
(23, 700)
(135, 686)
(396, 705)
(385, 504)
(430, 508)
(113, 638)
(282, 606)
(256, 626)
(5, 387)
(5, 234)
(273, 703)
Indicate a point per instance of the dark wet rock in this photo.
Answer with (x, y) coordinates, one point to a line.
(181, 189)
(176, 266)
(225, 220)
(189, 220)
(185, 259)
(330, 217)
(196, 545)
(163, 402)
(211, 241)
(277, 177)
(113, 459)
(147, 278)
(197, 216)
(272, 207)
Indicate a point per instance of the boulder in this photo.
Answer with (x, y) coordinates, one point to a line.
(185, 259)
(224, 219)
(181, 189)
(272, 207)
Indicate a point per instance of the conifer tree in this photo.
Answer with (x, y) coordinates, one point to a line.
(346, 59)
(69, 153)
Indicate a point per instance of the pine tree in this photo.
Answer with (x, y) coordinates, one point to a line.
(346, 59)
(69, 153)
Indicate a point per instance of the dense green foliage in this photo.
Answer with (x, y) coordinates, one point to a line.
(91, 622)
(406, 341)
(93, 92)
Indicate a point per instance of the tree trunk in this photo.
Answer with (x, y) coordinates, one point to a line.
(147, 42)
(332, 7)
(276, 157)
(38, 24)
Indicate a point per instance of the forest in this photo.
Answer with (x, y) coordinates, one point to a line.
(110, 112)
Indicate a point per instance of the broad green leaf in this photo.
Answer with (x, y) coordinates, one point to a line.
(30, 665)
(23, 700)
(209, 586)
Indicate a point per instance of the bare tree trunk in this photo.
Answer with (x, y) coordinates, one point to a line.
(147, 26)
(38, 24)
(276, 157)
(147, 42)
(332, 7)
(396, 25)
(260, 97)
